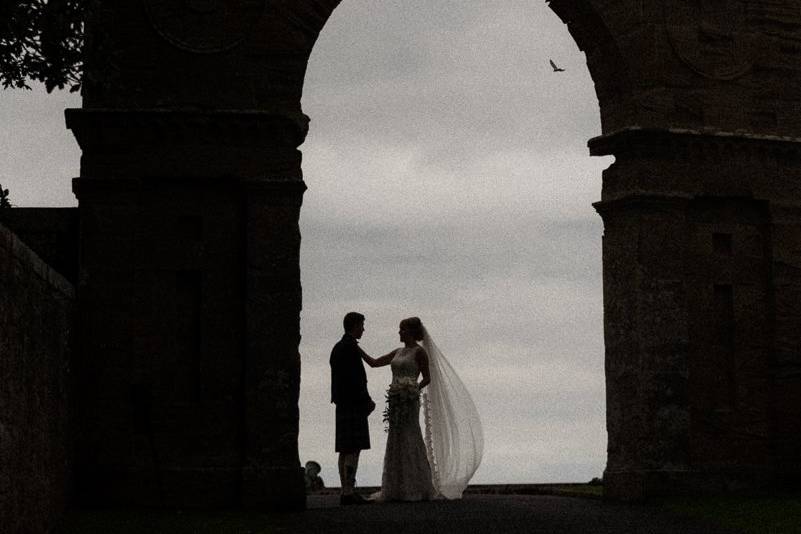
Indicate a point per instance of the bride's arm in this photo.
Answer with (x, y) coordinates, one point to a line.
(377, 362)
(422, 363)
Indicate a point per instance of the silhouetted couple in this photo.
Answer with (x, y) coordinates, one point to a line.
(417, 466)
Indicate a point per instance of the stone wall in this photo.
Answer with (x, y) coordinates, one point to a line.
(36, 306)
(52, 233)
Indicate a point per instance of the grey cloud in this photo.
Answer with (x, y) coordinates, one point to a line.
(457, 79)
(454, 126)
(39, 154)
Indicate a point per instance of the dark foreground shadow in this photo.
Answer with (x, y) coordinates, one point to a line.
(495, 514)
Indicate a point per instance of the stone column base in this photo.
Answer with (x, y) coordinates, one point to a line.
(637, 486)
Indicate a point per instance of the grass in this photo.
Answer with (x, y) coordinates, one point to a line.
(564, 490)
(579, 490)
(759, 514)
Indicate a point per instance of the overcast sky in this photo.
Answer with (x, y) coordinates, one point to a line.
(448, 178)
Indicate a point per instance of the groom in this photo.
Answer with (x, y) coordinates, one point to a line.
(353, 405)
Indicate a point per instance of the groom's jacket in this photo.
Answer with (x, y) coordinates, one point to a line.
(348, 379)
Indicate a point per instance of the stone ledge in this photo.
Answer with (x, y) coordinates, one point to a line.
(277, 187)
(119, 129)
(636, 137)
(637, 199)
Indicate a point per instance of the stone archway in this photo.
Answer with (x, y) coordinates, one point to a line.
(698, 277)
(188, 365)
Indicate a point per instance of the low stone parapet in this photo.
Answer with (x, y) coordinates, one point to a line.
(36, 306)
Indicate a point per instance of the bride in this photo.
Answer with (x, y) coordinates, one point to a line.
(441, 463)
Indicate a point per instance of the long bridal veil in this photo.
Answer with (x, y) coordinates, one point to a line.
(453, 434)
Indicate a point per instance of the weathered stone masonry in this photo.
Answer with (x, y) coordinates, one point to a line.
(701, 109)
(189, 291)
(36, 305)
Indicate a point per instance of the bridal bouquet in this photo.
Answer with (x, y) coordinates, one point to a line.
(402, 398)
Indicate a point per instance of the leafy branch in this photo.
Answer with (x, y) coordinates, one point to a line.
(42, 40)
(4, 201)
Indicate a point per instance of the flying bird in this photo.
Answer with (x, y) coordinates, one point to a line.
(555, 68)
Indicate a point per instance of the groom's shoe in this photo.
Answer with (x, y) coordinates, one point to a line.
(353, 498)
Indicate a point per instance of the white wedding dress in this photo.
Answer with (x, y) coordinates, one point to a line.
(407, 474)
(440, 462)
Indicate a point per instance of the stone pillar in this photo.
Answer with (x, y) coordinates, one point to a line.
(700, 279)
(271, 473)
(190, 303)
(189, 289)
(646, 334)
(699, 104)
(785, 391)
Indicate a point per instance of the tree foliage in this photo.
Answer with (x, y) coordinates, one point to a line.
(41, 40)
(4, 201)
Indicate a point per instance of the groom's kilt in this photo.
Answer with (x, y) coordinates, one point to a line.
(352, 430)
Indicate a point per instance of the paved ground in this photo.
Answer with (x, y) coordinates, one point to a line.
(496, 514)
(475, 514)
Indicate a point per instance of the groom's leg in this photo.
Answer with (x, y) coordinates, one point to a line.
(350, 470)
(348, 462)
(342, 479)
